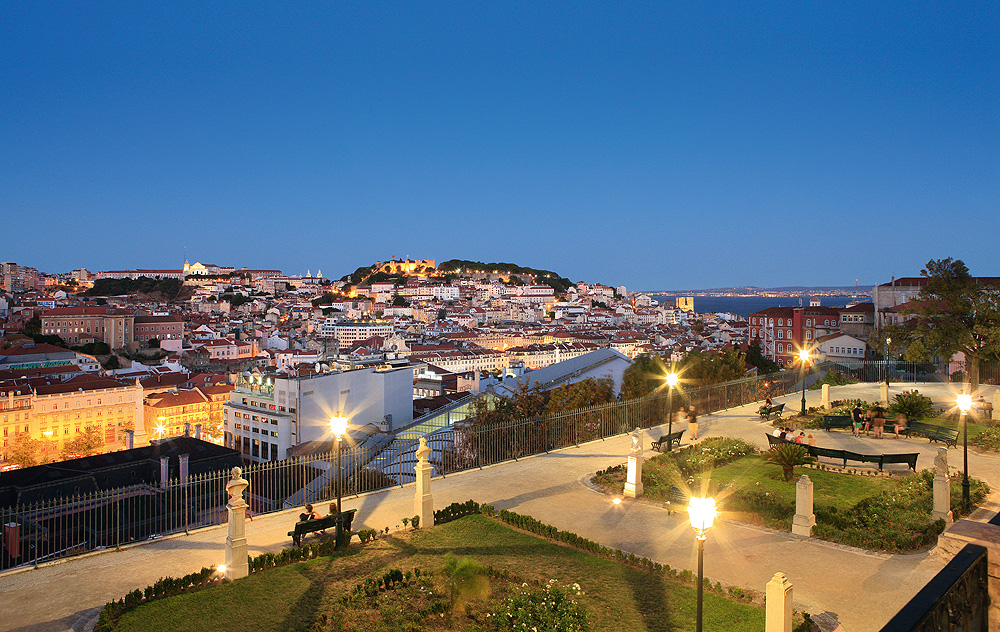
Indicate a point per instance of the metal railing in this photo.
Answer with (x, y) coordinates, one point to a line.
(955, 600)
(39, 531)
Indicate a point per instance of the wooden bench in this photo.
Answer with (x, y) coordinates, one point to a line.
(767, 411)
(910, 458)
(837, 421)
(669, 439)
(934, 433)
(678, 501)
(305, 527)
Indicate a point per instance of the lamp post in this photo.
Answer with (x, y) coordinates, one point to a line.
(964, 404)
(888, 341)
(671, 382)
(338, 425)
(701, 512)
(803, 358)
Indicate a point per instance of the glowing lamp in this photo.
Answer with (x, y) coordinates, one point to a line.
(804, 355)
(672, 379)
(338, 424)
(701, 512)
(964, 402)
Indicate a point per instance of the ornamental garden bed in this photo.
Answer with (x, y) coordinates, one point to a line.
(881, 513)
(473, 573)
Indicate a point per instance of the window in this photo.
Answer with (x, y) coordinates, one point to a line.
(781, 322)
(781, 333)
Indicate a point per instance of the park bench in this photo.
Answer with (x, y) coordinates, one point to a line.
(669, 439)
(305, 527)
(837, 421)
(767, 411)
(678, 501)
(910, 458)
(933, 433)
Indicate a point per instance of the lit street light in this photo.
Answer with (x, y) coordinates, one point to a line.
(803, 358)
(701, 512)
(338, 426)
(964, 404)
(671, 382)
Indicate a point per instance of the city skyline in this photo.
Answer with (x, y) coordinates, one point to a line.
(657, 147)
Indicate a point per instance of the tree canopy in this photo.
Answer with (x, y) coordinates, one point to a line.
(954, 314)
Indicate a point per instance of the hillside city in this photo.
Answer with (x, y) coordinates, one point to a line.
(98, 362)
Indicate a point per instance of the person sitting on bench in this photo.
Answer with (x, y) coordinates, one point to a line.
(766, 407)
(308, 514)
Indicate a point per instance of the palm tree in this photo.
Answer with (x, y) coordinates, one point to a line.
(788, 456)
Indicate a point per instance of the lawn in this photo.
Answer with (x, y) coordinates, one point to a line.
(873, 512)
(309, 596)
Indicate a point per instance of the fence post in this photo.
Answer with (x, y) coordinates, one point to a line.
(778, 604)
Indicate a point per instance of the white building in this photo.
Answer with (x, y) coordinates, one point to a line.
(267, 415)
(840, 347)
(349, 332)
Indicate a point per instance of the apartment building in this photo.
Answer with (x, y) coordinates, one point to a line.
(81, 325)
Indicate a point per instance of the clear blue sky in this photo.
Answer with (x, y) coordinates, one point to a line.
(662, 145)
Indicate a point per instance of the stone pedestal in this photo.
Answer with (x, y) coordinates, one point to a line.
(984, 534)
(942, 488)
(423, 502)
(633, 480)
(236, 542)
(826, 396)
(778, 604)
(996, 405)
(884, 388)
(804, 519)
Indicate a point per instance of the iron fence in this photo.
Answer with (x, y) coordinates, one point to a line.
(35, 532)
(955, 600)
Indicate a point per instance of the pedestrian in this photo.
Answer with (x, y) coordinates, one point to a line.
(857, 418)
(692, 423)
(878, 422)
(801, 438)
(899, 424)
(811, 440)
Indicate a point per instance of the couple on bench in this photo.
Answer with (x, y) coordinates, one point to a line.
(310, 513)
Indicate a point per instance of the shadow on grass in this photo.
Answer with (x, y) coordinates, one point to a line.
(651, 599)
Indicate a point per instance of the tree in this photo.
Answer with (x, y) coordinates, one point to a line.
(712, 367)
(154, 343)
(955, 314)
(23, 450)
(85, 443)
(755, 357)
(588, 392)
(645, 375)
(789, 455)
(112, 363)
(400, 301)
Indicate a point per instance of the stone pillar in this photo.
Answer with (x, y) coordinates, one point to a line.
(826, 396)
(164, 471)
(996, 405)
(633, 481)
(236, 542)
(778, 604)
(184, 460)
(129, 438)
(884, 388)
(423, 502)
(942, 488)
(804, 519)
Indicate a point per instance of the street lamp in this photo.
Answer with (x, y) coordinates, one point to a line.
(701, 512)
(964, 404)
(888, 341)
(338, 426)
(803, 358)
(671, 382)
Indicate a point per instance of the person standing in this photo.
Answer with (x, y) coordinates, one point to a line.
(878, 422)
(857, 418)
(692, 424)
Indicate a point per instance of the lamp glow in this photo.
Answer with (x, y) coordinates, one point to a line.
(221, 568)
(701, 512)
(964, 402)
(671, 379)
(804, 355)
(617, 501)
(338, 424)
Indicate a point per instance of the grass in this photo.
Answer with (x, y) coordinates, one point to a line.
(307, 596)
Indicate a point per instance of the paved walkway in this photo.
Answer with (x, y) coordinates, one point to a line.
(863, 589)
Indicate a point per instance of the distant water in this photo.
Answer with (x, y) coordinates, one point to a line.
(746, 305)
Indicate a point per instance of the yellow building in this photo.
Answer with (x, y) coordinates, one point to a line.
(57, 413)
(165, 414)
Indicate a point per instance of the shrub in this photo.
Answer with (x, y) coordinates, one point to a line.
(415, 520)
(912, 404)
(988, 439)
(551, 608)
(710, 453)
(788, 456)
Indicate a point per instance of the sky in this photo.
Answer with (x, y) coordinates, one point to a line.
(666, 145)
